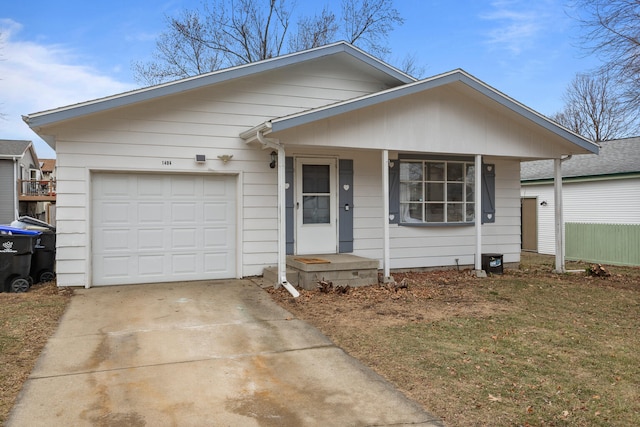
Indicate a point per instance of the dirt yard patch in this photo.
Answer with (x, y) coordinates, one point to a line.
(526, 348)
(27, 320)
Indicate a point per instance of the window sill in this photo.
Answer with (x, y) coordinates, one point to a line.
(436, 224)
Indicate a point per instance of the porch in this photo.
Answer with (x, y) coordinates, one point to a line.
(304, 271)
(32, 190)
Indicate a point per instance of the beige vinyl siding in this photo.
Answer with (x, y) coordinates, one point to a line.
(441, 120)
(207, 121)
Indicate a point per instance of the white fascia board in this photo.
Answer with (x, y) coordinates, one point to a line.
(44, 118)
(426, 84)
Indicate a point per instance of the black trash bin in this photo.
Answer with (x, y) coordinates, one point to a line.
(43, 259)
(492, 263)
(16, 249)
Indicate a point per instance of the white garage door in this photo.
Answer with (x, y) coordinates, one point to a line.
(161, 228)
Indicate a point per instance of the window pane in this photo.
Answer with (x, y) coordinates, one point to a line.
(471, 174)
(411, 192)
(435, 171)
(471, 210)
(454, 212)
(435, 212)
(315, 178)
(435, 192)
(454, 192)
(411, 171)
(454, 172)
(315, 210)
(411, 212)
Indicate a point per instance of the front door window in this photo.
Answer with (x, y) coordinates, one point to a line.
(316, 194)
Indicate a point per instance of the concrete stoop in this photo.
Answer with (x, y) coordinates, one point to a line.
(304, 271)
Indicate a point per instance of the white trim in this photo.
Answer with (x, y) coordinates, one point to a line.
(478, 216)
(385, 213)
(559, 220)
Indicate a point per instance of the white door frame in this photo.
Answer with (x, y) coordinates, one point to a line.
(316, 238)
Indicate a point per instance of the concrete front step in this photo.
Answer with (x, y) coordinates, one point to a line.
(341, 269)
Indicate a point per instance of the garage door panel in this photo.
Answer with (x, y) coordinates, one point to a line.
(215, 238)
(150, 213)
(150, 265)
(151, 239)
(115, 240)
(149, 186)
(184, 213)
(216, 212)
(115, 212)
(215, 263)
(165, 228)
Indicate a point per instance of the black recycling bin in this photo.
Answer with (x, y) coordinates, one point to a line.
(492, 263)
(43, 259)
(44, 256)
(16, 249)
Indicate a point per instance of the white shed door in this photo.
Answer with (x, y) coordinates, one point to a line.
(162, 228)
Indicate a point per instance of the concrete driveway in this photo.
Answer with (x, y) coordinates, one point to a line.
(200, 354)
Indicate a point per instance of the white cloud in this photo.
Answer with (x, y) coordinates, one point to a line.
(36, 77)
(518, 24)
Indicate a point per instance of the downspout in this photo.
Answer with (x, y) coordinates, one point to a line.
(16, 213)
(282, 214)
(385, 205)
(478, 215)
(559, 213)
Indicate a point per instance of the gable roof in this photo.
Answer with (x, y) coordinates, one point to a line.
(11, 148)
(359, 59)
(618, 156)
(47, 165)
(458, 76)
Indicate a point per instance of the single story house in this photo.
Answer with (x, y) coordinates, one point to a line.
(324, 151)
(601, 204)
(19, 172)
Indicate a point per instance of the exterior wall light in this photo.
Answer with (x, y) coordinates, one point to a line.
(274, 160)
(225, 158)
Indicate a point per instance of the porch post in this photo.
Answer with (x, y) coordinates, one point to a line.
(385, 214)
(478, 215)
(559, 220)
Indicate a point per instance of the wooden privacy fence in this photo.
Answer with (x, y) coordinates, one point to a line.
(603, 243)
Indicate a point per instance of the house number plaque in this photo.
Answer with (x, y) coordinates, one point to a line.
(166, 163)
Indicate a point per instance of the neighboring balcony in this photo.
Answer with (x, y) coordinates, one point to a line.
(30, 190)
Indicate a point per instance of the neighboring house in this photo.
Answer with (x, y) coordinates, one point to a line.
(19, 168)
(601, 204)
(48, 168)
(323, 151)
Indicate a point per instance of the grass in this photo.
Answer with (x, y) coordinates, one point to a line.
(27, 320)
(529, 348)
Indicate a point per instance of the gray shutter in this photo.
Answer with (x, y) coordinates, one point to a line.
(488, 193)
(345, 206)
(394, 192)
(288, 177)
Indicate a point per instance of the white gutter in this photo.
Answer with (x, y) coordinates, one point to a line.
(478, 216)
(385, 214)
(282, 214)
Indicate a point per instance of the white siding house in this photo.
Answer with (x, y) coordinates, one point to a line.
(599, 189)
(324, 151)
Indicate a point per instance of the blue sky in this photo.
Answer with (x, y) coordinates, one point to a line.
(55, 55)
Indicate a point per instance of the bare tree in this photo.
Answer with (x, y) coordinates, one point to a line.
(613, 32)
(233, 32)
(593, 109)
